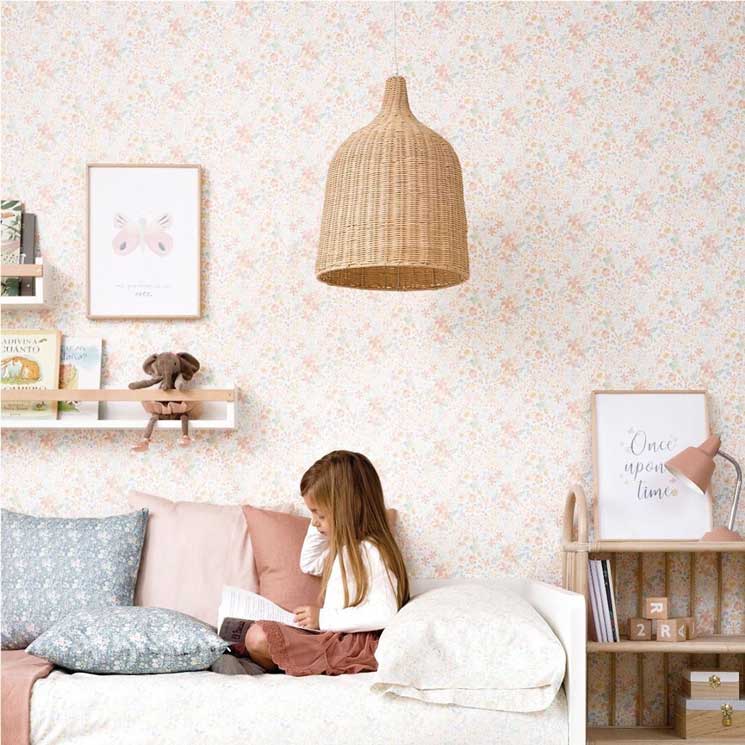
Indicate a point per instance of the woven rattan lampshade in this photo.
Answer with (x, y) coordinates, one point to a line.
(394, 217)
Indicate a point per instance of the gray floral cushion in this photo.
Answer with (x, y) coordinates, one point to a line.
(129, 641)
(53, 565)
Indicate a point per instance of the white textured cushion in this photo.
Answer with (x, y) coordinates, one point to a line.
(474, 646)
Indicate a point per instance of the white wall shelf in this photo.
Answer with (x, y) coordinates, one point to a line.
(40, 300)
(122, 408)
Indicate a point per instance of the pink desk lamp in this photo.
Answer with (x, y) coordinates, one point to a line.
(695, 466)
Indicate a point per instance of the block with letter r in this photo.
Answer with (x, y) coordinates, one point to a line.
(671, 630)
(656, 608)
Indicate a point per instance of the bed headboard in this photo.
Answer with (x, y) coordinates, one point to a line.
(565, 613)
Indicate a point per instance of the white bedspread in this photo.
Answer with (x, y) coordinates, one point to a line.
(210, 709)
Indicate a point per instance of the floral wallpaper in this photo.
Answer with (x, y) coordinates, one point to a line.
(602, 154)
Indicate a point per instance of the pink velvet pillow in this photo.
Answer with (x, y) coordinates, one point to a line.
(277, 540)
(191, 550)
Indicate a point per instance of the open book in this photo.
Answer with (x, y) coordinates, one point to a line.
(238, 607)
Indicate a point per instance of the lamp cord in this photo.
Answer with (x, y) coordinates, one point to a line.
(395, 40)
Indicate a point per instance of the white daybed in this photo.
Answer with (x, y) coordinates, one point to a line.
(205, 708)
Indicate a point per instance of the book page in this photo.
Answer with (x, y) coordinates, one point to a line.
(247, 605)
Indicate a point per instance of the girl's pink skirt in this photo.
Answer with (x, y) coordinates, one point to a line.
(300, 652)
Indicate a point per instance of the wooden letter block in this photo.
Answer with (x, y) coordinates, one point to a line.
(640, 630)
(667, 631)
(655, 608)
(690, 627)
(681, 628)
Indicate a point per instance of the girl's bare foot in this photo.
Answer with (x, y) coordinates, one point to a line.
(141, 446)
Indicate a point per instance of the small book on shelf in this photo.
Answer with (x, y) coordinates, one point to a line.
(28, 251)
(611, 598)
(80, 367)
(603, 601)
(595, 605)
(11, 222)
(30, 360)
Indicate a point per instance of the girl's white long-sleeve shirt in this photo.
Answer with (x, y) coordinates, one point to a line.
(378, 607)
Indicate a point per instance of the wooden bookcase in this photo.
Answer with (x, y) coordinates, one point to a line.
(576, 552)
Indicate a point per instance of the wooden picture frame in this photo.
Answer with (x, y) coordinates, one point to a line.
(143, 227)
(633, 434)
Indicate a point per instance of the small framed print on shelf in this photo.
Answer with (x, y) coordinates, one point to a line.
(144, 241)
(633, 434)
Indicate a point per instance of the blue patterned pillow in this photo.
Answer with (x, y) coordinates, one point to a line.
(129, 641)
(53, 565)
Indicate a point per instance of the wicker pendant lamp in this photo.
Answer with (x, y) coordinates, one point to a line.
(394, 216)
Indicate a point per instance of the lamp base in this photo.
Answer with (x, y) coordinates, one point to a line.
(721, 534)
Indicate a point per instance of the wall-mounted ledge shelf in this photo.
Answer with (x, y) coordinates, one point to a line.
(22, 270)
(40, 299)
(121, 408)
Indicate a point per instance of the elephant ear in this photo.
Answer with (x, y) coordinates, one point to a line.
(147, 365)
(189, 365)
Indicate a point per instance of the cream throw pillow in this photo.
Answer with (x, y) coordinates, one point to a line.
(191, 550)
(471, 645)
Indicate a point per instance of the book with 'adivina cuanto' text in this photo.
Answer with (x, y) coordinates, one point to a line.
(29, 359)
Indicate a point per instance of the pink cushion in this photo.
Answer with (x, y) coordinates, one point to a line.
(191, 550)
(277, 540)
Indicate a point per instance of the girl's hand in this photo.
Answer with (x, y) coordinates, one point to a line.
(307, 616)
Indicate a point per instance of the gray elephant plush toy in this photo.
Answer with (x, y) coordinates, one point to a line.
(170, 371)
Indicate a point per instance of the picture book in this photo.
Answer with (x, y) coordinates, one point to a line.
(11, 224)
(11, 286)
(598, 625)
(29, 359)
(80, 367)
(613, 611)
(238, 607)
(28, 252)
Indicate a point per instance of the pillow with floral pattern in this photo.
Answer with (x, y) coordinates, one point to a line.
(129, 641)
(53, 565)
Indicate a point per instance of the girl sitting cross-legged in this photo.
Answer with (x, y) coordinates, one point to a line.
(349, 543)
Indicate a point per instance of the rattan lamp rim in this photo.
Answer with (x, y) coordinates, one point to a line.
(443, 277)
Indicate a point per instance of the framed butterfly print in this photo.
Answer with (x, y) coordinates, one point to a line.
(144, 241)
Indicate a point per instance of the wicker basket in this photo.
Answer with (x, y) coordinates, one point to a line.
(393, 216)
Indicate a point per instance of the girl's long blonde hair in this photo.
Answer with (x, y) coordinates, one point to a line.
(346, 486)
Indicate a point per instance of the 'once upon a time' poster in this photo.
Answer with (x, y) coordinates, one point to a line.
(635, 433)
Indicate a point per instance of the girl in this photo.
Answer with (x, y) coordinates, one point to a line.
(350, 545)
